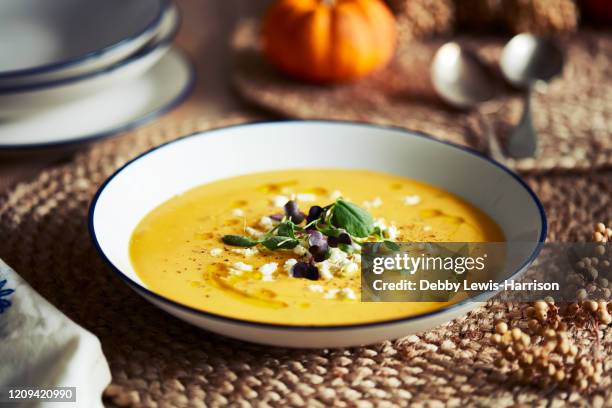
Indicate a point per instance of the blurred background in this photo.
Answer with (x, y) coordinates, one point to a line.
(368, 60)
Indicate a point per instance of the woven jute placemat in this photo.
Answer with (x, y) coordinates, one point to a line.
(159, 361)
(573, 117)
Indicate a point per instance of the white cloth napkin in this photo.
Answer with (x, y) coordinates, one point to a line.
(41, 347)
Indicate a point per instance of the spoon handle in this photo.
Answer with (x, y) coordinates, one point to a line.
(523, 140)
(489, 111)
(493, 148)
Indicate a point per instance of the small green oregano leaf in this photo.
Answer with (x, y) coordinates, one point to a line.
(286, 229)
(239, 240)
(329, 230)
(349, 249)
(278, 242)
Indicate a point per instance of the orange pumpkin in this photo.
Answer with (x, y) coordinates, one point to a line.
(329, 40)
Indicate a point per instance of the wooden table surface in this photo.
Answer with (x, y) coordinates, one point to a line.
(205, 34)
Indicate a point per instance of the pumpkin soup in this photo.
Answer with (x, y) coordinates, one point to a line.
(284, 247)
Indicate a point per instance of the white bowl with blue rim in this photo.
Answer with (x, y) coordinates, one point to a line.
(23, 100)
(180, 165)
(42, 41)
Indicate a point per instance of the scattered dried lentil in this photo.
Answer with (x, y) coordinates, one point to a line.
(543, 353)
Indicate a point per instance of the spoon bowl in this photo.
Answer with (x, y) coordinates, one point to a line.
(527, 59)
(460, 77)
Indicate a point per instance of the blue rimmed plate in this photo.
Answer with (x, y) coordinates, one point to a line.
(43, 40)
(105, 113)
(25, 100)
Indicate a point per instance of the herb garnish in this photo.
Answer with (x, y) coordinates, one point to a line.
(279, 242)
(341, 224)
(239, 240)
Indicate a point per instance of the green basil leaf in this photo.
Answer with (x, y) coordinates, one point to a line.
(286, 229)
(277, 242)
(355, 220)
(239, 240)
(392, 245)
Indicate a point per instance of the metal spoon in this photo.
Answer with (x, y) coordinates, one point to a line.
(460, 77)
(463, 80)
(525, 61)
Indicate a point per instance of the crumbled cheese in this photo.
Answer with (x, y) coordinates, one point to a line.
(306, 197)
(267, 270)
(391, 232)
(215, 251)
(336, 255)
(356, 247)
(357, 258)
(279, 201)
(427, 228)
(266, 222)
(289, 264)
(348, 293)
(237, 212)
(300, 250)
(344, 293)
(325, 270)
(255, 233)
(248, 252)
(315, 288)
(241, 266)
(349, 268)
(377, 202)
(334, 195)
(411, 200)
(331, 294)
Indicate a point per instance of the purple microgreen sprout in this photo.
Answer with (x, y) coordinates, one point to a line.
(314, 213)
(293, 212)
(345, 238)
(318, 246)
(332, 241)
(305, 270)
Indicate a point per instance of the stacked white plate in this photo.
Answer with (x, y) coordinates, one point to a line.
(77, 70)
